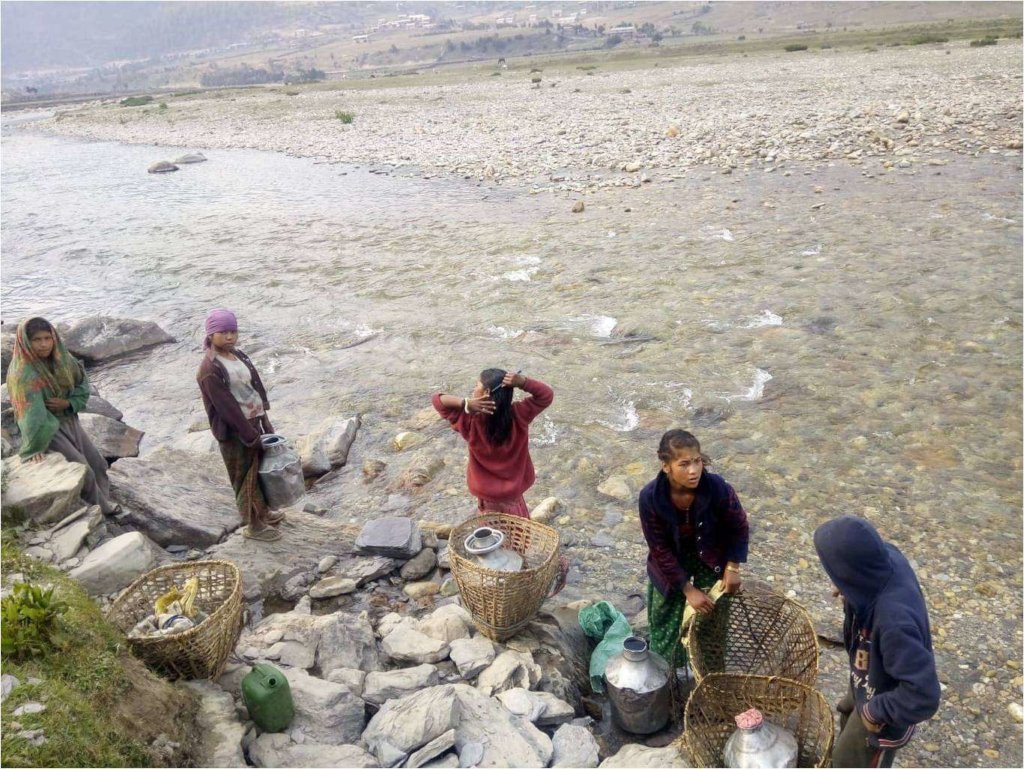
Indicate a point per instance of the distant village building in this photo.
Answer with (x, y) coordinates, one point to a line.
(626, 31)
(361, 38)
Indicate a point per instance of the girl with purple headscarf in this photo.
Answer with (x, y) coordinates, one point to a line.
(236, 404)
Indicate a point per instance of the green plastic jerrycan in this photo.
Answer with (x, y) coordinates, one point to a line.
(268, 698)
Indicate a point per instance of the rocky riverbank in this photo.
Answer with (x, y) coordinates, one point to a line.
(584, 128)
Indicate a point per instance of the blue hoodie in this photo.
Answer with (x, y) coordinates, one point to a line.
(885, 630)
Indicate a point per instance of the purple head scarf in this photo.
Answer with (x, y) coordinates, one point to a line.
(219, 320)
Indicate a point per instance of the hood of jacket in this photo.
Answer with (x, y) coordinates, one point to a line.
(856, 559)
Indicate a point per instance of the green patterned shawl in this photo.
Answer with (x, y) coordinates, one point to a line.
(31, 380)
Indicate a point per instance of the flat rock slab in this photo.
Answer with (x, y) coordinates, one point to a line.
(305, 540)
(273, 750)
(219, 730)
(116, 563)
(390, 537)
(176, 497)
(642, 757)
(112, 438)
(43, 492)
(99, 338)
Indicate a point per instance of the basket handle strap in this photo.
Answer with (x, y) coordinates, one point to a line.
(559, 581)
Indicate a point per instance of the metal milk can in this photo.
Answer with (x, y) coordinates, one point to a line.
(484, 545)
(637, 682)
(280, 472)
(759, 744)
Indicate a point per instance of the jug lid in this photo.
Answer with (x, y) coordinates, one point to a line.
(271, 439)
(635, 648)
(484, 540)
(750, 719)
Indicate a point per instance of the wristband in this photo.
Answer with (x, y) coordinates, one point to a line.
(465, 405)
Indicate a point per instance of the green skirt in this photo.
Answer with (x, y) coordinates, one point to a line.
(664, 615)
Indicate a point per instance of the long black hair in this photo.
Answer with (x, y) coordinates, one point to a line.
(499, 424)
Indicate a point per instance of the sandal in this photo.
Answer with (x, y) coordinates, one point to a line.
(275, 520)
(262, 535)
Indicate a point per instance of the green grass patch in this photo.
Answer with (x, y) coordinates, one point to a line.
(87, 680)
(983, 42)
(345, 117)
(136, 101)
(795, 47)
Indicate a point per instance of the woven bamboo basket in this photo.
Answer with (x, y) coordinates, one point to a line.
(758, 632)
(503, 602)
(720, 697)
(197, 653)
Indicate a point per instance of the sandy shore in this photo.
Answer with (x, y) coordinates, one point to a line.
(585, 129)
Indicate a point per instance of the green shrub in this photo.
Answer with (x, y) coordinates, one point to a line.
(163, 105)
(742, 37)
(495, 74)
(345, 117)
(535, 80)
(136, 101)
(928, 38)
(989, 40)
(826, 46)
(31, 619)
(587, 67)
(795, 47)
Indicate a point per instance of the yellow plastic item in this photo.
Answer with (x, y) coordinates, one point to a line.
(717, 591)
(185, 598)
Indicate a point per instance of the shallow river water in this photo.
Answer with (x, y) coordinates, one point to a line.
(839, 342)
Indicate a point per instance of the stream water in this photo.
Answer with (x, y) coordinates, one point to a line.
(840, 340)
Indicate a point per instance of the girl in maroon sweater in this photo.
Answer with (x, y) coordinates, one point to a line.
(498, 432)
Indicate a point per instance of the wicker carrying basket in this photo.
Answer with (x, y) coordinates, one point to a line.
(720, 697)
(197, 653)
(764, 634)
(503, 602)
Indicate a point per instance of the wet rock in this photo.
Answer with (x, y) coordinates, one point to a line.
(116, 563)
(617, 487)
(380, 687)
(509, 670)
(447, 623)
(548, 509)
(372, 468)
(218, 730)
(421, 470)
(326, 712)
(274, 750)
(420, 566)
(333, 586)
(406, 644)
(643, 757)
(391, 537)
(43, 492)
(574, 746)
(173, 497)
(162, 167)
(112, 438)
(99, 338)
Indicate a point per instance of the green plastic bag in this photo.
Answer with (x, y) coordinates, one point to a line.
(604, 622)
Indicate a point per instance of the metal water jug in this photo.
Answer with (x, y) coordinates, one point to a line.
(759, 744)
(637, 682)
(280, 473)
(484, 544)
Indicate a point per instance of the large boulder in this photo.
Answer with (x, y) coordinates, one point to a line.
(390, 537)
(509, 670)
(406, 644)
(643, 757)
(42, 492)
(98, 405)
(98, 338)
(176, 498)
(273, 750)
(111, 437)
(404, 725)
(306, 540)
(116, 563)
(218, 729)
(507, 739)
(471, 655)
(325, 712)
(447, 623)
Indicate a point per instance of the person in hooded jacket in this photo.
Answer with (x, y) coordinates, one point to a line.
(893, 683)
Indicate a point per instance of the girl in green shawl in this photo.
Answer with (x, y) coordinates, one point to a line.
(48, 388)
